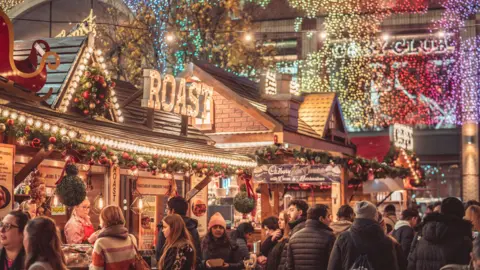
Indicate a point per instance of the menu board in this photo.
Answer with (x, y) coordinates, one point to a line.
(148, 223)
(198, 206)
(7, 162)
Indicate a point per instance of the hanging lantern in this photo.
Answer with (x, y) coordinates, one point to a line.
(98, 203)
(139, 205)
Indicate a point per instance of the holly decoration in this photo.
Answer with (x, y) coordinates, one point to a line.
(93, 95)
(243, 203)
(71, 190)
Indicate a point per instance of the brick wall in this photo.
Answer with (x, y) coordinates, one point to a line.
(229, 118)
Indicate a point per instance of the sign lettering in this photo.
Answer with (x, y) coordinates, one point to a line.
(114, 178)
(83, 28)
(394, 47)
(402, 136)
(289, 173)
(172, 94)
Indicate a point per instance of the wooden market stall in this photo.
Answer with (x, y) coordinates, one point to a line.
(59, 107)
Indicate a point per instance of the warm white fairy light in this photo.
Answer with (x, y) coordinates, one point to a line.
(63, 131)
(22, 119)
(38, 124)
(30, 121)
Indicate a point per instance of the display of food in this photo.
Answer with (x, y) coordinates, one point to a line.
(78, 255)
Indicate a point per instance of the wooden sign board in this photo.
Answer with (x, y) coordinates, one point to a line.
(7, 165)
(198, 205)
(114, 185)
(152, 185)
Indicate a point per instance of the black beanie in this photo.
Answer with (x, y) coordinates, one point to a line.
(453, 206)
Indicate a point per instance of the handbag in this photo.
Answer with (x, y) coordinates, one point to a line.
(140, 263)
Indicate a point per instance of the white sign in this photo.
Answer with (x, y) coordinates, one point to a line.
(402, 136)
(198, 206)
(393, 47)
(172, 94)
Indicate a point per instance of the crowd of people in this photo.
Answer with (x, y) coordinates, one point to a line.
(300, 238)
(303, 238)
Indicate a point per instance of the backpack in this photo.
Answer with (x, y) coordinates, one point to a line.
(362, 262)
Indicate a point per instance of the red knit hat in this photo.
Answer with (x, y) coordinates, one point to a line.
(217, 219)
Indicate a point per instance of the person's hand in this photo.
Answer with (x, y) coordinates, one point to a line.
(262, 260)
(226, 265)
(277, 235)
(207, 264)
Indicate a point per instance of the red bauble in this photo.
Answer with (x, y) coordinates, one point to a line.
(113, 84)
(97, 101)
(104, 148)
(86, 94)
(125, 155)
(101, 79)
(217, 174)
(224, 166)
(10, 122)
(96, 78)
(155, 156)
(86, 111)
(92, 148)
(101, 96)
(87, 73)
(28, 130)
(199, 165)
(52, 140)
(111, 154)
(76, 100)
(105, 105)
(133, 168)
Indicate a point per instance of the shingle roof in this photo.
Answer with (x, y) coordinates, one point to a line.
(67, 48)
(315, 111)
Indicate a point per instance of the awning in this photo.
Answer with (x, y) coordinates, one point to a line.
(373, 147)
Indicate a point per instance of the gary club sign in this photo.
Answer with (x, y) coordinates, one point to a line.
(172, 94)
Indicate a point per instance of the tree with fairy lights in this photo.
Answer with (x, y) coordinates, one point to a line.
(167, 34)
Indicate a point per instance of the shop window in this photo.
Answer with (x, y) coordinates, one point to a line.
(206, 123)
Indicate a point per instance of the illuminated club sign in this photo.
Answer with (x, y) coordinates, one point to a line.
(172, 94)
(393, 47)
(402, 136)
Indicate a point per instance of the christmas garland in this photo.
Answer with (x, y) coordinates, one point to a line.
(37, 137)
(360, 168)
(93, 96)
(71, 189)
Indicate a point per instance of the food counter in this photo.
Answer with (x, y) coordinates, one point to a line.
(78, 256)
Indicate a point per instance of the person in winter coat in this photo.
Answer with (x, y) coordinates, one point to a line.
(217, 245)
(275, 255)
(366, 237)
(390, 217)
(297, 211)
(179, 250)
(474, 264)
(345, 217)
(445, 238)
(310, 248)
(178, 205)
(241, 236)
(272, 234)
(404, 229)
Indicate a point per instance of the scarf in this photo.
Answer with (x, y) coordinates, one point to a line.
(115, 231)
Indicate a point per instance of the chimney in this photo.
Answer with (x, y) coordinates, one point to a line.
(283, 106)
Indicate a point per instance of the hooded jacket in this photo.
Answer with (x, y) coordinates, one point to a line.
(340, 226)
(383, 251)
(310, 248)
(295, 226)
(444, 239)
(192, 225)
(404, 234)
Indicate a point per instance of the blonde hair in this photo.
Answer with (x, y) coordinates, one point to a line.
(112, 215)
(178, 237)
(286, 230)
(473, 215)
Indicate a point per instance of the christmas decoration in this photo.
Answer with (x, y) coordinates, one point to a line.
(243, 203)
(93, 84)
(37, 188)
(71, 190)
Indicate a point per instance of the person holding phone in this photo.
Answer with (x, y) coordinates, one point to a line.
(218, 251)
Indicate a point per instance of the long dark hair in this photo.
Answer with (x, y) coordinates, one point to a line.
(44, 243)
(178, 237)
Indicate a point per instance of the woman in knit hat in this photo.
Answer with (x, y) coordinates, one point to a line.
(218, 252)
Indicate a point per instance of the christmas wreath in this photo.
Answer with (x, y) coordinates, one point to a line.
(243, 203)
(94, 94)
(71, 190)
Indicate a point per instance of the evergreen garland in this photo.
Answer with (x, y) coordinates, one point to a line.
(243, 203)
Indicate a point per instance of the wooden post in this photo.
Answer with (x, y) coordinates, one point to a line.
(265, 201)
(32, 164)
(343, 187)
(184, 127)
(150, 118)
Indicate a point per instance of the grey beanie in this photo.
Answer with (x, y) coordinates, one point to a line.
(366, 209)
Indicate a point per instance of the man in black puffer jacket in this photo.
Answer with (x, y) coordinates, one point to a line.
(383, 252)
(297, 211)
(310, 248)
(445, 238)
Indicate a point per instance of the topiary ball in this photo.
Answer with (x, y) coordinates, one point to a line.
(243, 203)
(72, 190)
(71, 170)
